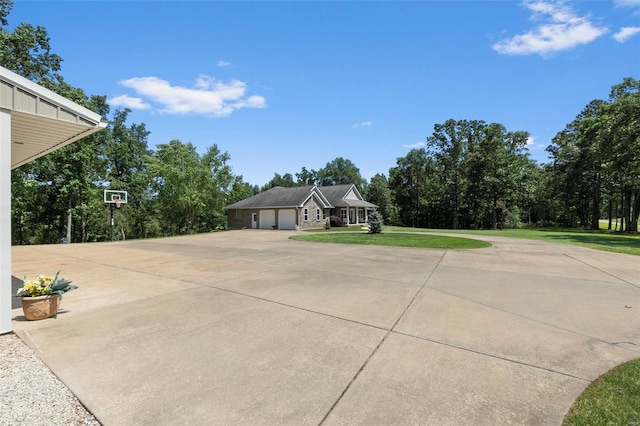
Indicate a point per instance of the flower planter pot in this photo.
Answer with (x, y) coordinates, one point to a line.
(40, 307)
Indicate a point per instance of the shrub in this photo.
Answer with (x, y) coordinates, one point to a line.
(513, 219)
(327, 225)
(335, 221)
(375, 222)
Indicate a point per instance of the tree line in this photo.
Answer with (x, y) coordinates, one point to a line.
(477, 175)
(471, 174)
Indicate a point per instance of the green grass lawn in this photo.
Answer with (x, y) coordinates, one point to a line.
(392, 239)
(613, 399)
(599, 240)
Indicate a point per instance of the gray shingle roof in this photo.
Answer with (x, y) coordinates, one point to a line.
(296, 196)
(356, 203)
(335, 194)
(275, 197)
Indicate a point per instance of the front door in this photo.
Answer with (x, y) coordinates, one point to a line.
(254, 220)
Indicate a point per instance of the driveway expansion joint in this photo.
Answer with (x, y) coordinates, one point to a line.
(603, 271)
(384, 338)
(535, 320)
(490, 355)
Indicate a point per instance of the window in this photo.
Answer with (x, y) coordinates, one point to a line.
(317, 214)
(306, 214)
(343, 214)
(324, 214)
(360, 214)
(238, 214)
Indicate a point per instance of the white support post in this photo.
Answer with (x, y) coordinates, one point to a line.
(5, 221)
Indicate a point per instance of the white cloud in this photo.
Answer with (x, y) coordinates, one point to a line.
(627, 3)
(363, 124)
(223, 64)
(626, 33)
(531, 141)
(415, 145)
(128, 102)
(560, 30)
(206, 97)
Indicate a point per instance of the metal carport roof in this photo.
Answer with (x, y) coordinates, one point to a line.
(33, 122)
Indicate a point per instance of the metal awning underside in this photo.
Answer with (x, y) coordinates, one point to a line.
(41, 120)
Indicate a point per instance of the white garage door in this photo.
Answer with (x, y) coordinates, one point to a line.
(267, 219)
(287, 219)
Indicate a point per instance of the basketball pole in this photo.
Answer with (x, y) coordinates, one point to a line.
(114, 197)
(111, 208)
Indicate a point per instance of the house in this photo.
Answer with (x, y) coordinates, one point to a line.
(348, 204)
(302, 207)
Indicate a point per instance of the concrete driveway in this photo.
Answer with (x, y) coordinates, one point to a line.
(248, 327)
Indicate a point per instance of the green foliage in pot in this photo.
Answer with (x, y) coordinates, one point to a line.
(44, 285)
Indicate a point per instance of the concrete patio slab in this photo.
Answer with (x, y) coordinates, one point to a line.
(356, 298)
(549, 264)
(205, 357)
(414, 382)
(461, 323)
(592, 308)
(622, 266)
(249, 327)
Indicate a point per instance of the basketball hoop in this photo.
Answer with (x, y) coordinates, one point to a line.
(116, 197)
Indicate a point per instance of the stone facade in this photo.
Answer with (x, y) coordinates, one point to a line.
(312, 221)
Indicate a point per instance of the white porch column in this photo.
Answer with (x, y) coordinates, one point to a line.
(5, 221)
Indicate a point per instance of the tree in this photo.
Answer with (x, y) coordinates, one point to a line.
(596, 158)
(412, 187)
(577, 167)
(241, 190)
(340, 172)
(306, 177)
(63, 181)
(479, 172)
(375, 222)
(26, 50)
(284, 181)
(447, 146)
(191, 189)
(124, 151)
(619, 127)
(378, 193)
(496, 162)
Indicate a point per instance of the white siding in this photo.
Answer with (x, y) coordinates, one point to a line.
(351, 195)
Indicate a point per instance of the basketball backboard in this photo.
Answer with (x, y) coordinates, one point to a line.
(115, 197)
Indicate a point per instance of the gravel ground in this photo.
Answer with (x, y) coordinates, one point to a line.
(30, 394)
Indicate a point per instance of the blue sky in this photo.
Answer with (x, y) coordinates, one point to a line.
(282, 85)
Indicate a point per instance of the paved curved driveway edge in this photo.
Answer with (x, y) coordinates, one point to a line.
(248, 327)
